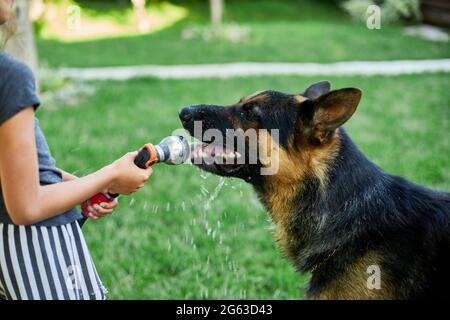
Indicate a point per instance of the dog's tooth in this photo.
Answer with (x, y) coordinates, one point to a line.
(228, 156)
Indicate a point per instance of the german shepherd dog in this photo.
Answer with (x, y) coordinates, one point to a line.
(336, 214)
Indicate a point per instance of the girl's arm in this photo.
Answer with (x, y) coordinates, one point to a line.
(67, 176)
(28, 202)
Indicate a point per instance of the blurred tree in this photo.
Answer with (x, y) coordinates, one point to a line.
(216, 7)
(140, 15)
(22, 45)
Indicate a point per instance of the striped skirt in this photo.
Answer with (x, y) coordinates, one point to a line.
(48, 263)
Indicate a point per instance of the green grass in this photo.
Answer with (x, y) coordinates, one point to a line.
(171, 240)
(291, 31)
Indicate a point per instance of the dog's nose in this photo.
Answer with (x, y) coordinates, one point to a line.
(185, 114)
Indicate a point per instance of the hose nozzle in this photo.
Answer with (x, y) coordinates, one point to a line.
(171, 150)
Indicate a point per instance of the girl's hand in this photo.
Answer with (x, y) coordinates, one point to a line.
(102, 210)
(128, 177)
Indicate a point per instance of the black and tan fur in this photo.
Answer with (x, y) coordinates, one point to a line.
(335, 212)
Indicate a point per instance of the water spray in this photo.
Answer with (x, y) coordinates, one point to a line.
(172, 150)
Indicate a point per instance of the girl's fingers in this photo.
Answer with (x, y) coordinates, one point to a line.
(100, 210)
(98, 215)
(92, 216)
(110, 205)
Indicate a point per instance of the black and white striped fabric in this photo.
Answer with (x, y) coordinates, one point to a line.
(47, 263)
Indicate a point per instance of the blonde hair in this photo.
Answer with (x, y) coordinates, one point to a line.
(7, 30)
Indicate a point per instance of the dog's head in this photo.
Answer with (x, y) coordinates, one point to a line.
(268, 129)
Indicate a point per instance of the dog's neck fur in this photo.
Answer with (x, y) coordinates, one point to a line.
(354, 211)
(304, 210)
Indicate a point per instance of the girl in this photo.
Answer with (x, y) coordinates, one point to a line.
(43, 254)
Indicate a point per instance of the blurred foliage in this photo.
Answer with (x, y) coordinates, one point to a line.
(392, 11)
(260, 31)
(56, 91)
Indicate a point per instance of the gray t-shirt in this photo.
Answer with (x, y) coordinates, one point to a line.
(18, 91)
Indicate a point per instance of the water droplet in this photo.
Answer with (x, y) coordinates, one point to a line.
(204, 191)
(203, 174)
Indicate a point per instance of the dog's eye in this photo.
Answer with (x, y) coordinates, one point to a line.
(248, 110)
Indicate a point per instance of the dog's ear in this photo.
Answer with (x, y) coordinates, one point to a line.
(317, 89)
(328, 112)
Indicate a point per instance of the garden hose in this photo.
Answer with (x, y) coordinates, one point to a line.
(171, 150)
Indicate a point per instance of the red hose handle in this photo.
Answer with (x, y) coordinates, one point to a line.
(146, 157)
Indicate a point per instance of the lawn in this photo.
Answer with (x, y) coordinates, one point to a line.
(267, 31)
(193, 235)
